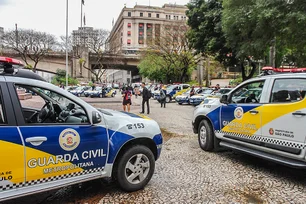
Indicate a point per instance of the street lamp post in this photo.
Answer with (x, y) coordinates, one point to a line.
(66, 43)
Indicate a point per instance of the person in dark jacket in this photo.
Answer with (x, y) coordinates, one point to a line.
(145, 98)
(162, 97)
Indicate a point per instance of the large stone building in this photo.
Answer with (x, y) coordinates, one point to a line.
(137, 27)
(83, 35)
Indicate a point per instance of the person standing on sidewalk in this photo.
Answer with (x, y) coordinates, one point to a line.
(162, 99)
(127, 99)
(145, 98)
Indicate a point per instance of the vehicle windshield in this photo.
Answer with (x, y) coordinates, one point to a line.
(79, 88)
(170, 87)
(98, 88)
(224, 91)
(63, 101)
(207, 91)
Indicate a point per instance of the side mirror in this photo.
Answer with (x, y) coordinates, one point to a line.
(224, 99)
(96, 117)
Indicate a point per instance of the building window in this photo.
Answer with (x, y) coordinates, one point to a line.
(128, 72)
(166, 16)
(141, 33)
(129, 14)
(157, 15)
(129, 41)
(141, 14)
(185, 18)
(129, 33)
(129, 25)
(182, 17)
(169, 17)
(149, 15)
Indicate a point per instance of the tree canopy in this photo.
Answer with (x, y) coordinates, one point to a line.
(235, 31)
(169, 58)
(29, 44)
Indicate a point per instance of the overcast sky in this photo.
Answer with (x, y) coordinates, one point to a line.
(49, 15)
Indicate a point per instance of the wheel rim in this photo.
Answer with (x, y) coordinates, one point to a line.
(203, 135)
(168, 99)
(137, 168)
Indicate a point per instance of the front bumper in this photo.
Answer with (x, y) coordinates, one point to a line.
(195, 130)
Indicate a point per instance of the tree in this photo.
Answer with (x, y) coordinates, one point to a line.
(169, 57)
(252, 27)
(62, 43)
(29, 44)
(60, 78)
(104, 58)
(207, 37)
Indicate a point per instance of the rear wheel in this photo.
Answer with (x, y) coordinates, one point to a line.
(135, 168)
(205, 136)
(180, 103)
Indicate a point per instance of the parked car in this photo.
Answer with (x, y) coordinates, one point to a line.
(60, 140)
(184, 98)
(97, 92)
(79, 91)
(171, 91)
(197, 99)
(263, 116)
(111, 93)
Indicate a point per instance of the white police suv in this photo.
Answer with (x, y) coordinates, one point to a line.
(52, 139)
(264, 117)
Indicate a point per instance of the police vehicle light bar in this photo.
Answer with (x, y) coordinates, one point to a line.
(286, 70)
(10, 61)
(271, 70)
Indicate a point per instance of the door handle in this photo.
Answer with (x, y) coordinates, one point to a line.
(299, 113)
(254, 112)
(36, 141)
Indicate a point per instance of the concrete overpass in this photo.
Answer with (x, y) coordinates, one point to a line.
(57, 60)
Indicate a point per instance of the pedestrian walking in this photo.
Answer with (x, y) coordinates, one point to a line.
(136, 91)
(145, 98)
(127, 99)
(192, 91)
(162, 97)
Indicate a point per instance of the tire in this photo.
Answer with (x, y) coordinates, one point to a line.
(206, 136)
(113, 95)
(100, 95)
(168, 99)
(180, 103)
(130, 157)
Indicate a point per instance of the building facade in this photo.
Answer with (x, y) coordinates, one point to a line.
(137, 27)
(83, 36)
(140, 26)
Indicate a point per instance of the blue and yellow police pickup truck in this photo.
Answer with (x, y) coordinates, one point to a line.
(264, 117)
(54, 139)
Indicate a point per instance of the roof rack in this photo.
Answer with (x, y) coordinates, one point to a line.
(272, 71)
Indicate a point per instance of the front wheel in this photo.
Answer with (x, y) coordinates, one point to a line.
(206, 136)
(135, 168)
(168, 99)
